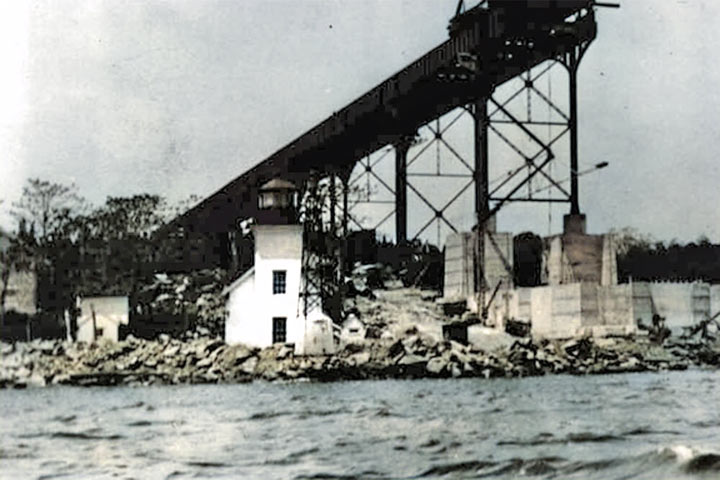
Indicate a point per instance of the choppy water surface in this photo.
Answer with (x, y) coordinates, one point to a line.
(645, 426)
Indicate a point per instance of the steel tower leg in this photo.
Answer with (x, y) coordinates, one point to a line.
(332, 192)
(481, 123)
(401, 151)
(575, 221)
(482, 206)
(345, 212)
(574, 195)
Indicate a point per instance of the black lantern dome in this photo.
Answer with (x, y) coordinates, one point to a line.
(277, 202)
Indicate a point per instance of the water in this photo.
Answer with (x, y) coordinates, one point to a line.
(645, 426)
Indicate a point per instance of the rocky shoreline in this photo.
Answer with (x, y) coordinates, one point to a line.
(210, 360)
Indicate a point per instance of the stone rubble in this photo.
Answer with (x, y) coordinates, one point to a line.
(209, 360)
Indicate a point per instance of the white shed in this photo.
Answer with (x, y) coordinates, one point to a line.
(101, 317)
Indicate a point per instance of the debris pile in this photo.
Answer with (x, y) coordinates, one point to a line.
(395, 311)
(365, 278)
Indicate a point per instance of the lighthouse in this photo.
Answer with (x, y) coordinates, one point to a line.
(264, 304)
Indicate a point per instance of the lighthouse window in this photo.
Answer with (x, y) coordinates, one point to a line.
(279, 331)
(279, 281)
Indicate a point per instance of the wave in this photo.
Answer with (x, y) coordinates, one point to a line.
(331, 476)
(649, 431)
(65, 419)
(704, 462)
(268, 415)
(301, 414)
(679, 461)
(128, 407)
(84, 436)
(140, 423)
(459, 467)
(205, 464)
(87, 435)
(549, 438)
(293, 457)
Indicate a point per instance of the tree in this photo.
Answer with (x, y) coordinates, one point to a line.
(629, 238)
(124, 218)
(17, 255)
(47, 209)
(173, 210)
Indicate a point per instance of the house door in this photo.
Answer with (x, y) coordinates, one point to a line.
(279, 330)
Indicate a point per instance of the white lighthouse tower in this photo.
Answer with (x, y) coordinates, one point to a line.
(264, 304)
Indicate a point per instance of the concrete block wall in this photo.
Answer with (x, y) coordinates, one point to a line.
(714, 299)
(460, 263)
(459, 282)
(682, 304)
(608, 275)
(504, 305)
(700, 302)
(616, 305)
(574, 257)
(554, 314)
(590, 304)
(499, 260)
(564, 311)
(614, 311)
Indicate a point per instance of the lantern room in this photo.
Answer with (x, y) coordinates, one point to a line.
(277, 203)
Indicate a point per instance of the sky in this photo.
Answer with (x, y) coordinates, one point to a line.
(179, 97)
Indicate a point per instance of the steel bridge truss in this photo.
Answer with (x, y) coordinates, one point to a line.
(335, 196)
(512, 121)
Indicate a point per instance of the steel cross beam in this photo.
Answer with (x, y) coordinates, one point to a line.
(403, 183)
(439, 140)
(501, 109)
(486, 120)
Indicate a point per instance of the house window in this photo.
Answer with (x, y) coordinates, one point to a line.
(279, 281)
(99, 332)
(279, 330)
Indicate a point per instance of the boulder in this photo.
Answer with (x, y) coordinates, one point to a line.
(248, 366)
(37, 380)
(204, 362)
(578, 348)
(412, 360)
(284, 352)
(436, 365)
(489, 339)
(358, 359)
(171, 351)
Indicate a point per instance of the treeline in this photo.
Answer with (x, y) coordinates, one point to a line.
(639, 258)
(670, 262)
(78, 249)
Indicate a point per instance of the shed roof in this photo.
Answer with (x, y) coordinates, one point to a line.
(238, 281)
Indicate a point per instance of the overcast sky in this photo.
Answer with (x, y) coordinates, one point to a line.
(179, 97)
